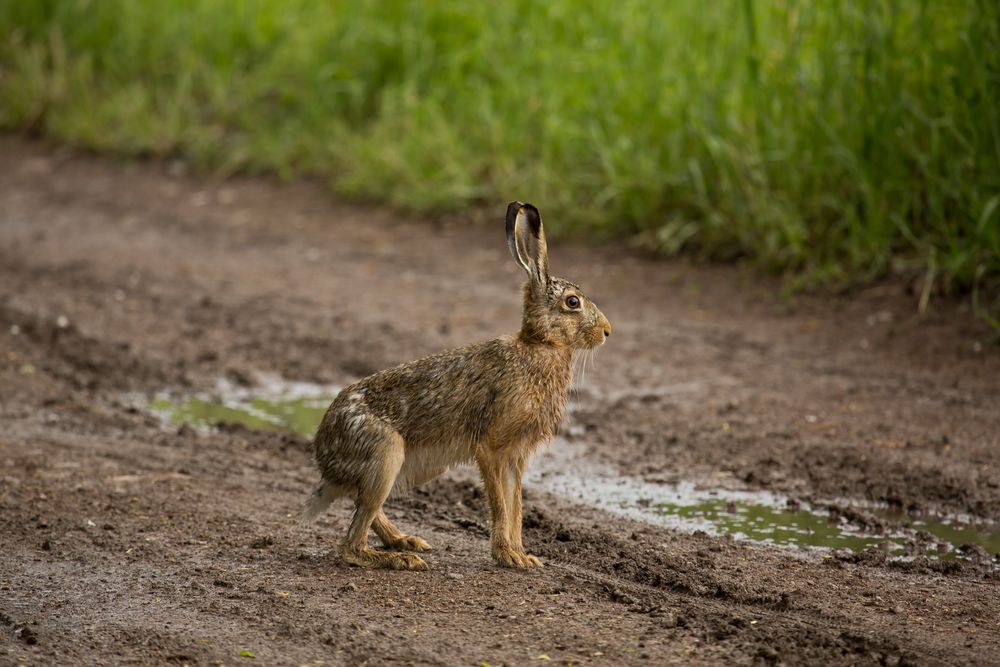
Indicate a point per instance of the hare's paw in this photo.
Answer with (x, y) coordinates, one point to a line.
(387, 560)
(531, 561)
(516, 559)
(403, 561)
(408, 543)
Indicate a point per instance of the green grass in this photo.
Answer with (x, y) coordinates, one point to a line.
(833, 141)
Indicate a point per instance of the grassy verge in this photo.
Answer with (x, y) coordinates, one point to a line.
(834, 141)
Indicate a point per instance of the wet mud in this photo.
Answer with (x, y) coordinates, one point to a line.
(125, 542)
(690, 505)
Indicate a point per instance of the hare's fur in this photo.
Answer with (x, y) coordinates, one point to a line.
(492, 403)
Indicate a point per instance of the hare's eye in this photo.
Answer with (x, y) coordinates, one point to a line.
(573, 302)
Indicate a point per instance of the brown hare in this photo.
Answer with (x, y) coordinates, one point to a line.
(493, 403)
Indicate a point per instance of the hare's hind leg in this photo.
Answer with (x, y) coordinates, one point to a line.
(394, 538)
(374, 488)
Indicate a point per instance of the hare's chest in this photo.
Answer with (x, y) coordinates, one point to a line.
(531, 404)
(534, 418)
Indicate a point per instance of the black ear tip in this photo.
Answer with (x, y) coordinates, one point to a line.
(512, 209)
(516, 207)
(534, 218)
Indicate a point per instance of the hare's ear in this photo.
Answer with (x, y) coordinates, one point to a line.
(526, 239)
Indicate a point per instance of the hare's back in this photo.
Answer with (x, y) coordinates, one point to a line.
(452, 394)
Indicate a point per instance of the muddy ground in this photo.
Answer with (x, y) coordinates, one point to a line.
(124, 543)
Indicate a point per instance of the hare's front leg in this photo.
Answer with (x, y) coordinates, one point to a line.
(496, 475)
(512, 497)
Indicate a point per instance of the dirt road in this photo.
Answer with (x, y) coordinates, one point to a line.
(125, 543)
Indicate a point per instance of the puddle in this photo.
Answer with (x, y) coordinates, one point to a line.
(759, 516)
(290, 406)
(300, 415)
(562, 470)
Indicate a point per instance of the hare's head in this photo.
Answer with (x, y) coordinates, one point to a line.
(556, 311)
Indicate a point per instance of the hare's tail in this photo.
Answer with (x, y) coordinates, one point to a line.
(320, 499)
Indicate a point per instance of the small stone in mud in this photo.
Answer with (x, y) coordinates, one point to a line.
(239, 376)
(768, 654)
(475, 525)
(974, 552)
(563, 535)
(671, 620)
(47, 545)
(620, 596)
(262, 542)
(26, 634)
(349, 586)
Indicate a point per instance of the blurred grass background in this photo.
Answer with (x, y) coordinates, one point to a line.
(832, 141)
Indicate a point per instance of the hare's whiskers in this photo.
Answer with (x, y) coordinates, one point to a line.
(577, 377)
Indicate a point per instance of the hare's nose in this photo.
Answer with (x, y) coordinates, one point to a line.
(607, 331)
